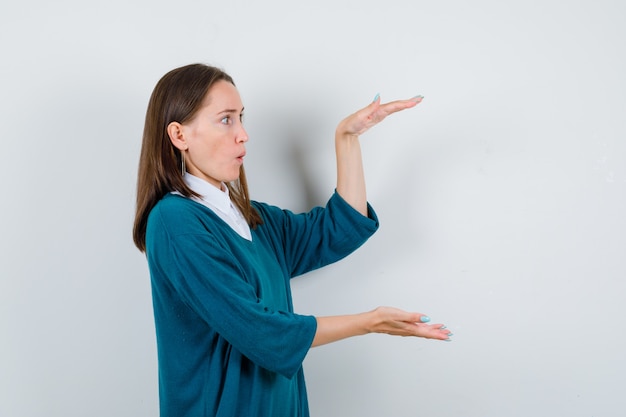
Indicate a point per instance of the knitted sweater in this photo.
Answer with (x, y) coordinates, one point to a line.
(229, 343)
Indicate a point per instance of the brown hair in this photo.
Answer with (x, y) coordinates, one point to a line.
(176, 98)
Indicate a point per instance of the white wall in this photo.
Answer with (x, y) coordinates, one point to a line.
(501, 197)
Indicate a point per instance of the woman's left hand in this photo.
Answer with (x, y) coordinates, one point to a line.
(360, 122)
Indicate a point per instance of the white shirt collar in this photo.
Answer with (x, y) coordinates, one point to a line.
(219, 201)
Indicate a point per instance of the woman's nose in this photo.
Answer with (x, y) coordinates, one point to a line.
(243, 136)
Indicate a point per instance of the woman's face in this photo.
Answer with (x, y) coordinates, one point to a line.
(215, 137)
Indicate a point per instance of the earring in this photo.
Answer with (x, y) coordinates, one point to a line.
(182, 164)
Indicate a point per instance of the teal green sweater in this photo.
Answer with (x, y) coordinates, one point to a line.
(229, 343)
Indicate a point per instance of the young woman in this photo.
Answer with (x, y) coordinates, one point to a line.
(229, 342)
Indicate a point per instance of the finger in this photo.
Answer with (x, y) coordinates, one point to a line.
(418, 318)
(444, 333)
(398, 105)
(392, 106)
(371, 108)
(434, 331)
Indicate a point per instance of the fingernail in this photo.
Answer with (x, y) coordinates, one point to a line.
(416, 98)
(443, 327)
(447, 340)
(450, 334)
(376, 98)
(425, 319)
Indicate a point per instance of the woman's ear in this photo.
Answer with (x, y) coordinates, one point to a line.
(175, 132)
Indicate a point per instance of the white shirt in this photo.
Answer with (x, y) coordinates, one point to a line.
(219, 202)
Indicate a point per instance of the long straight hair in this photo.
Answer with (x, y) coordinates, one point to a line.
(177, 97)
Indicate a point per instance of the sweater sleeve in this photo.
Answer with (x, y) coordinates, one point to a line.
(322, 236)
(211, 283)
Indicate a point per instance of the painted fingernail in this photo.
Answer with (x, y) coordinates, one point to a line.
(443, 327)
(425, 319)
(450, 334)
(376, 98)
(416, 98)
(447, 340)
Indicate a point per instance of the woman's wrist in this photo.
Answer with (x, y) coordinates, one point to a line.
(373, 321)
(343, 135)
(365, 322)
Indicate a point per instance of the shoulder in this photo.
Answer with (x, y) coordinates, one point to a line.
(179, 214)
(169, 205)
(274, 216)
(267, 210)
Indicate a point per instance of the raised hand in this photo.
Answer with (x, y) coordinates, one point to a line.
(350, 176)
(361, 121)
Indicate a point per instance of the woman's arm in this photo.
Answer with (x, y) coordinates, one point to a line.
(387, 320)
(350, 176)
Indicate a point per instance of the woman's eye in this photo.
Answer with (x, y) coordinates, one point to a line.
(225, 120)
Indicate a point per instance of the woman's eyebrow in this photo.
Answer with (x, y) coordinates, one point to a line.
(231, 111)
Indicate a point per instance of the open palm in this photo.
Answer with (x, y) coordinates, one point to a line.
(361, 121)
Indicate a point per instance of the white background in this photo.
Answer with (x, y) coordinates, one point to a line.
(502, 197)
